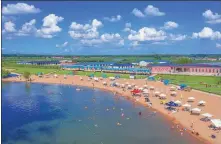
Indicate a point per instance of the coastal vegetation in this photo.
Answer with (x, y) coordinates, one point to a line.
(204, 83)
(27, 75)
(5, 73)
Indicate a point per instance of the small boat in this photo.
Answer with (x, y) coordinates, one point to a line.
(77, 89)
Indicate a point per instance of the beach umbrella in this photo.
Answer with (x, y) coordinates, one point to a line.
(146, 92)
(172, 88)
(104, 83)
(151, 88)
(122, 85)
(81, 78)
(207, 115)
(178, 102)
(173, 93)
(136, 87)
(186, 105)
(112, 78)
(162, 96)
(129, 86)
(145, 86)
(55, 75)
(157, 93)
(216, 123)
(191, 98)
(202, 102)
(195, 110)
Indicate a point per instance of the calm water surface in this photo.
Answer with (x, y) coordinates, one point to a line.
(56, 114)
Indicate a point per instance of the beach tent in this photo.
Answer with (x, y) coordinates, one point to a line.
(104, 75)
(182, 86)
(117, 76)
(96, 79)
(55, 75)
(123, 85)
(151, 78)
(113, 84)
(216, 123)
(207, 115)
(166, 82)
(65, 76)
(196, 110)
(202, 103)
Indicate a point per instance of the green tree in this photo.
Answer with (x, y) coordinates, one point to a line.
(5, 73)
(26, 75)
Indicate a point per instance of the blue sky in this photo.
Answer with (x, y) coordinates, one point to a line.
(111, 27)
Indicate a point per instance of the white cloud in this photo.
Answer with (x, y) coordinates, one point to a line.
(134, 43)
(207, 32)
(178, 37)
(9, 27)
(212, 18)
(218, 45)
(27, 29)
(19, 8)
(147, 34)
(104, 38)
(62, 45)
(170, 25)
(153, 11)
(50, 28)
(87, 31)
(113, 18)
(160, 43)
(127, 27)
(137, 13)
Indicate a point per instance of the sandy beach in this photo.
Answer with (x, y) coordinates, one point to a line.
(184, 118)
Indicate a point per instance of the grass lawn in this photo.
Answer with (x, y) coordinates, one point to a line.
(194, 82)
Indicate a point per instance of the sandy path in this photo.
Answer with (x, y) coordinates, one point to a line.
(213, 103)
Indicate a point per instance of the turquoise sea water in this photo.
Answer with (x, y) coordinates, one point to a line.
(56, 114)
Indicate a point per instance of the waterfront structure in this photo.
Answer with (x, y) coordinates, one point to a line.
(191, 69)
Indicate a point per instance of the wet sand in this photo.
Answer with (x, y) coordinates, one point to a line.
(213, 102)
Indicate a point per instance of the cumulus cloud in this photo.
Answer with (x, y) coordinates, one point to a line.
(147, 34)
(218, 45)
(85, 31)
(105, 38)
(207, 32)
(62, 45)
(9, 27)
(150, 10)
(153, 11)
(134, 43)
(27, 29)
(19, 8)
(178, 37)
(113, 18)
(50, 27)
(127, 27)
(137, 13)
(170, 25)
(212, 18)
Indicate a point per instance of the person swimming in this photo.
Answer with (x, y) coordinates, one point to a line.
(140, 113)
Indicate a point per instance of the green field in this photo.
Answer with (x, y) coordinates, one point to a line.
(194, 82)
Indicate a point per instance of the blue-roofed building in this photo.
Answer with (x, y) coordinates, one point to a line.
(39, 62)
(144, 63)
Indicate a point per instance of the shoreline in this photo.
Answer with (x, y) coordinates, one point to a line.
(85, 83)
